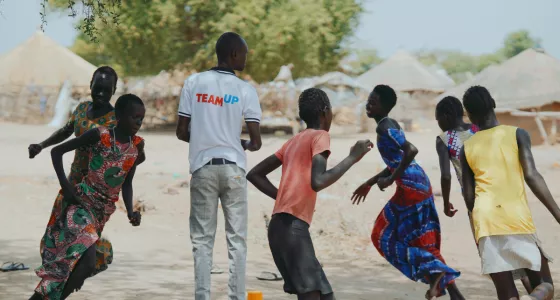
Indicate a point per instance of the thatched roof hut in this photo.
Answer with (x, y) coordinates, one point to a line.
(404, 73)
(43, 62)
(460, 89)
(528, 82)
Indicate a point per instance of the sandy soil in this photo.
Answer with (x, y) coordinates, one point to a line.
(154, 261)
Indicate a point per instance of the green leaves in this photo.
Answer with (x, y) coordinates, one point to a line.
(93, 11)
(517, 42)
(156, 35)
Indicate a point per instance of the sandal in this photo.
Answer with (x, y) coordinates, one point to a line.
(269, 276)
(216, 270)
(13, 266)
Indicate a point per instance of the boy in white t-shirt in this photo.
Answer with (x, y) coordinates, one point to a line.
(214, 104)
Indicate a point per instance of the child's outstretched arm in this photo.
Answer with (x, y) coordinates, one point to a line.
(533, 178)
(361, 192)
(258, 176)
(127, 194)
(410, 152)
(445, 170)
(468, 181)
(88, 138)
(56, 138)
(322, 178)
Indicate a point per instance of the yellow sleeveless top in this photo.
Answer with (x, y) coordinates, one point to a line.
(500, 206)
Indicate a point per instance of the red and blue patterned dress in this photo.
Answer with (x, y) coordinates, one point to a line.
(407, 231)
(79, 227)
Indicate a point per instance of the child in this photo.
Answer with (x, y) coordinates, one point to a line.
(407, 231)
(496, 163)
(449, 114)
(86, 116)
(69, 253)
(304, 173)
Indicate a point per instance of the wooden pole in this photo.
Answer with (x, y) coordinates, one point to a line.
(542, 130)
(553, 132)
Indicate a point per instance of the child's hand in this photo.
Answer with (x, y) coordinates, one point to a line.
(135, 218)
(360, 149)
(360, 193)
(34, 149)
(384, 182)
(449, 210)
(244, 144)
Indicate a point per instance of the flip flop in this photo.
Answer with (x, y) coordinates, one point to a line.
(269, 276)
(13, 266)
(216, 270)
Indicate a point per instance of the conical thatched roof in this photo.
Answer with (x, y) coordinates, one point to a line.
(460, 89)
(404, 73)
(530, 79)
(332, 79)
(45, 63)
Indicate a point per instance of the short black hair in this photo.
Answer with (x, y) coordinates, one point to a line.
(450, 106)
(312, 102)
(123, 104)
(387, 96)
(478, 101)
(226, 44)
(108, 71)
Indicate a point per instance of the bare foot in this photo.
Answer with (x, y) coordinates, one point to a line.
(433, 292)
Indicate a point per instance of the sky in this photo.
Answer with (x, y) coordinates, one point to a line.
(474, 26)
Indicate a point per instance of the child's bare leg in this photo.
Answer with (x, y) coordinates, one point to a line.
(534, 279)
(432, 293)
(454, 292)
(505, 286)
(83, 269)
(526, 284)
(545, 270)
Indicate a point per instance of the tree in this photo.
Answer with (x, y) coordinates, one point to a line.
(92, 10)
(155, 35)
(517, 42)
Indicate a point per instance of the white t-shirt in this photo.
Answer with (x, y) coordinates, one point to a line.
(217, 101)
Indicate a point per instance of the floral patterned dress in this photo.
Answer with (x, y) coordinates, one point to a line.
(79, 168)
(80, 226)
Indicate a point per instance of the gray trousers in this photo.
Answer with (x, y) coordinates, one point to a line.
(228, 184)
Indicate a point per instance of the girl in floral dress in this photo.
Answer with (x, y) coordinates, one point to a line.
(88, 115)
(69, 249)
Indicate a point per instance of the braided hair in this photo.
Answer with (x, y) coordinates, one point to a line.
(124, 102)
(387, 96)
(450, 106)
(312, 102)
(478, 102)
(108, 71)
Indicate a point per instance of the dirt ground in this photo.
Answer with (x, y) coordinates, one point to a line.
(154, 261)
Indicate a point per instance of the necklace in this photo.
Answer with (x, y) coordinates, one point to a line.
(115, 149)
(384, 118)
